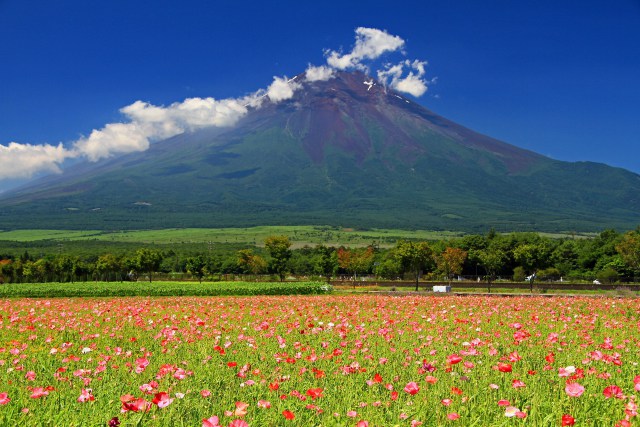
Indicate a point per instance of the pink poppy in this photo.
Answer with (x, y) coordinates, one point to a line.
(162, 399)
(517, 384)
(574, 390)
(511, 411)
(4, 398)
(241, 409)
(264, 404)
(85, 395)
(211, 422)
(412, 388)
(38, 392)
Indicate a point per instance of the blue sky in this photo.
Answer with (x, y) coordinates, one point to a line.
(561, 78)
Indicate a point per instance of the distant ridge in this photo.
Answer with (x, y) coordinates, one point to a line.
(340, 152)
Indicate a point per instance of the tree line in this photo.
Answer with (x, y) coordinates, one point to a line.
(608, 257)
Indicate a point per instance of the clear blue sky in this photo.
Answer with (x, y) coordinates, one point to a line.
(561, 78)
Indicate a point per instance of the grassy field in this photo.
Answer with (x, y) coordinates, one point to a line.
(299, 235)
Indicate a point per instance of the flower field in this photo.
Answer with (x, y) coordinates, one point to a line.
(319, 360)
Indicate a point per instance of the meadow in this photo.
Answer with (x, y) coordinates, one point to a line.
(299, 235)
(319, 361)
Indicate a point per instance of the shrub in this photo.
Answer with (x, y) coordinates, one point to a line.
(607, 275)
(518, 274)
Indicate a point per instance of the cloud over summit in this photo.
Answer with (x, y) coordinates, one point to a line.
(145, 123)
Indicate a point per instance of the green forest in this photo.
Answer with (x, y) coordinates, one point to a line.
(608, 257)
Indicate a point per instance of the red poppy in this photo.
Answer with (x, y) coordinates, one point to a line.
(453, 359)
(568, 420)
(288, 414)
(504, 367)
(613, 391)
(315, 393)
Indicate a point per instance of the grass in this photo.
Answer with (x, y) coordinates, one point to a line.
(299, 235)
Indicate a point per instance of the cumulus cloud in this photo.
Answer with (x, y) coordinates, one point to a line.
(150, 122)
(145, 123)
(25, 160)
(321, 73)
(282, 88)
(370, 44)
(413, 83)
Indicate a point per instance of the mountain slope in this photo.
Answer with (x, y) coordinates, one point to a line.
(340, 152)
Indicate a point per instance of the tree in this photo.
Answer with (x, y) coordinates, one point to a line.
(450, 261)
(66, 267)
(148, 260)
(106, 265)
(355, 261)
(492, 259)
(250, 262)
(414, 256)
(280, 252)
(325, 261)
(531, 256)
(629, 249)
(196, 266)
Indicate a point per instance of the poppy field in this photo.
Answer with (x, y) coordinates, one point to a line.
(320, 361)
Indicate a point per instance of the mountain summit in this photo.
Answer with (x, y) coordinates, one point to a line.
(347, 152)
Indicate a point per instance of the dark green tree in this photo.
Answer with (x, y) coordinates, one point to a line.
(325, 261)
(414, 257)
(107, 265)
(492, 259)
(629, 250)
(148, 260)
(279, 248)
(196, 266)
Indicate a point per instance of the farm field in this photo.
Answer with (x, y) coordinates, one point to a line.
(319, 360)
(299, 235)
(159, 288)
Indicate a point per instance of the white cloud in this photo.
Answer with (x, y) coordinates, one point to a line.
(25, 160)
(282, 88)
(114, 138)
(370, 44)
(321, 73)
(149, 123)
(413, 83)
(145, 123)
